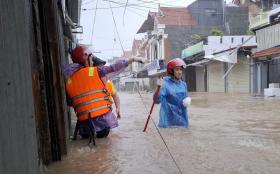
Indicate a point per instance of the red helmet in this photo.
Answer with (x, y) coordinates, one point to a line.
(78, 53)
(175, 63)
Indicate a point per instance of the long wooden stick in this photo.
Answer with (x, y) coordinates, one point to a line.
(151, 110)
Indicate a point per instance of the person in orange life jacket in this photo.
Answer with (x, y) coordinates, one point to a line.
(84, 132)
(173, 97)
(111, 88)
(88, 93)
(109, 85)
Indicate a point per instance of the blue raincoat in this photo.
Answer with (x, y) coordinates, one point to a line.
(172, 111)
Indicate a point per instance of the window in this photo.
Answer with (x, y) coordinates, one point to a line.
(160, 49)
(211, 12)
(155, 50)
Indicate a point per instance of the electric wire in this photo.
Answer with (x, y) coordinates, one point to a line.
(173, 159)
(145, 9)
(88, 2)
(94, 19)
(116, 26)
(164, 142)
(124, 10)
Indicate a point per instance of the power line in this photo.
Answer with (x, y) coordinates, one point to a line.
(137, 13)
(145, 8)
(93, 22)
(154, 3)
(119, 49)
(116, 26)
(124, 10)
(164, 142)
(105, 8)
(131, 4)
(126, 4)
(88, 2)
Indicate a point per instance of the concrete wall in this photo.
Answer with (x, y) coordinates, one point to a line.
(236, 20)
(180, 37)
(220, 43)
(208, 13)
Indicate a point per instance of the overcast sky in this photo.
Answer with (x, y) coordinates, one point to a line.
(99, 29)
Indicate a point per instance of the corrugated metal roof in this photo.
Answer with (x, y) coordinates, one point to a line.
(267, 52)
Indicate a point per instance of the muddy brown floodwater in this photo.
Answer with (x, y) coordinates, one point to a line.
(228, 134)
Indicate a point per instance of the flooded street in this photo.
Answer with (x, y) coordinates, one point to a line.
(228, 134)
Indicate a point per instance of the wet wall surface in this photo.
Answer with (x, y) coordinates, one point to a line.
(232, 134)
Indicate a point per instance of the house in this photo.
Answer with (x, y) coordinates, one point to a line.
(265, 63)
(167, 33)
(208, 14)
(236, 20)
(256, 5)
(170, 30)
(138, 51)
(257, 9)
(231, 19)
(220, 55)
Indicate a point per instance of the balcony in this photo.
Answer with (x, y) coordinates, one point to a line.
(261, 20)
(156, 67)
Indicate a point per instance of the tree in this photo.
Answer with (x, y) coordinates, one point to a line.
(249, 32)
(216, 32)
(196, 38)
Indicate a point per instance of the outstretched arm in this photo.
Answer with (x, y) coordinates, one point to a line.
(117, 102)
(120, 65)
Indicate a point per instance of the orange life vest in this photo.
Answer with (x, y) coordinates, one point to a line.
(109, 87)
(88, 94)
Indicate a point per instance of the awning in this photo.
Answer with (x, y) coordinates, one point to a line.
(228, 56)
(267, 52)
(199, 63)
(156, 73)
(192, 50)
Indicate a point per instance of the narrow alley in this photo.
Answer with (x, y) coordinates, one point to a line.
(230, 134)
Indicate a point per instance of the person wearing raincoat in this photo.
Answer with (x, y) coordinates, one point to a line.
(173, 96)
(81, 75)
(97, 62)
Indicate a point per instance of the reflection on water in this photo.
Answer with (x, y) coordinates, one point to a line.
(228, 134)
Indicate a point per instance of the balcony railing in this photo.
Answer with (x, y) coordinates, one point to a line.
(153, 65)
(259, 21)
(156, 67)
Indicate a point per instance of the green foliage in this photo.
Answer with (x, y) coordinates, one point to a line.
(196, 38)
(216, 32)
(249, 32)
